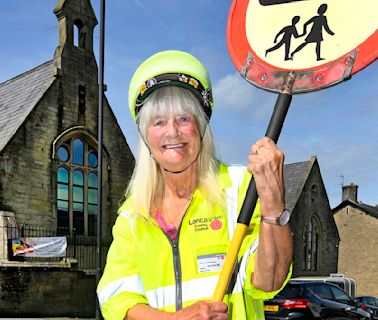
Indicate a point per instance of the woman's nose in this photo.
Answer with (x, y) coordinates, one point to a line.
(172, 128)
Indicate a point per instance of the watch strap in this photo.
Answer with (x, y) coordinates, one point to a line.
(280, 220)
(270, 220)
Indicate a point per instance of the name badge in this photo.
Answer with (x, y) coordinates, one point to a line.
(210, 262)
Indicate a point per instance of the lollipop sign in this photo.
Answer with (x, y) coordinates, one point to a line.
(318, 42)
(293, 46)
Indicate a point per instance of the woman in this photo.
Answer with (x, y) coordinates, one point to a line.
(172, 232)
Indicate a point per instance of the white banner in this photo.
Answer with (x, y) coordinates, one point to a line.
(44, 247)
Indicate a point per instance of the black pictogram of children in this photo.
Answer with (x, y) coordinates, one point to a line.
(315, 35)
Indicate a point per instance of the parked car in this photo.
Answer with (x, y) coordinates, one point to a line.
(305, 300)
(369, 304)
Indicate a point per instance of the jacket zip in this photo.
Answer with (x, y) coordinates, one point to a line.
(177, 269)
(177, 262)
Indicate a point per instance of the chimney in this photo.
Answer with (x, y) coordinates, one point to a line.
(350, 192)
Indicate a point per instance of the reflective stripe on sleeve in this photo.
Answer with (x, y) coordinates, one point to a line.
(128, 284)
(242, 274)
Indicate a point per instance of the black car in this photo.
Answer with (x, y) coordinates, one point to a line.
(369, 304)
(302, 300)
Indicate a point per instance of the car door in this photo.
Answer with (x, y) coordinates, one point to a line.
(372, 303)
(333, 302)
(330, 308)
(349, 306)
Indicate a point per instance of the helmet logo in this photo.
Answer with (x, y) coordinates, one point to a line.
(206, 96)
(193, 83)
(149, 83)
(183, 78)
(143, 89)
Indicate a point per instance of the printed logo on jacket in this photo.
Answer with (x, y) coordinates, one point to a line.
(206, 223)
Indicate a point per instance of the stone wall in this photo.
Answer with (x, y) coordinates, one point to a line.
(358, 254)
(46, 292)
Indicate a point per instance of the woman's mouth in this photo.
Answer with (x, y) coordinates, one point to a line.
(174, 146)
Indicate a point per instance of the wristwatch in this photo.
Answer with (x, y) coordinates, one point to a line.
(280, 220)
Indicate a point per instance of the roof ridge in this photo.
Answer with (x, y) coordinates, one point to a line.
(26, 72)
(296, 163)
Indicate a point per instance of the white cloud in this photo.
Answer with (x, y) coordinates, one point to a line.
(233, 93)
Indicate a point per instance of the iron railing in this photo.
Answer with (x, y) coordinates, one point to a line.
(79, 247)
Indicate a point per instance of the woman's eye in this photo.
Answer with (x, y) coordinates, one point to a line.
(184, 119)
(158, 122)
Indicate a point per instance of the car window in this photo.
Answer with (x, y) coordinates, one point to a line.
(372, 301)
(341, 296)
(290, 291)
(322, 291)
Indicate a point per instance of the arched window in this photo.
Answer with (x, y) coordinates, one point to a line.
(314, 192)
(76, 183)
(311, 240)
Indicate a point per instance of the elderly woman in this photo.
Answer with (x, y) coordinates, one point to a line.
(174, 229)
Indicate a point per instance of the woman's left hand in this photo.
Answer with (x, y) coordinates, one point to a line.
(265, 162)
(274, 251)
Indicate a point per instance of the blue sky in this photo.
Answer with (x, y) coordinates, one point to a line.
(338, 124)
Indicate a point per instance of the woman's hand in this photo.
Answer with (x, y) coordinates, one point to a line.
(274, 251)
(266, 164)
(202, 310)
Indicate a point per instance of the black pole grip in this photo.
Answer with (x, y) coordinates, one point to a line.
(273, 132)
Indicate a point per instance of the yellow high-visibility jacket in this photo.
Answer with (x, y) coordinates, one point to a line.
(144, 266)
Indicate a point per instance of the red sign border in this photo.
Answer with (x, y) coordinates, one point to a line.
(236, 35)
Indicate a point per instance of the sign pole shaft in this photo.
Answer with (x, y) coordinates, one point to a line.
(99, 152)
(274, 129)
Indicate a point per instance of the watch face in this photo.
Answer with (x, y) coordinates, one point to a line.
(284, 217)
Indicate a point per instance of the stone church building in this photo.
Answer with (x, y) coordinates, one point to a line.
(49, 173)
(316, 238)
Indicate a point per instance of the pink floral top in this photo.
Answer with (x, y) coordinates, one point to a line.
(169, 229)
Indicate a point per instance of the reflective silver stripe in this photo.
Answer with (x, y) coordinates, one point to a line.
(196, 289)
(236, 174)
(200, 288)
(128, 284)
(242, 274)
(162, 297)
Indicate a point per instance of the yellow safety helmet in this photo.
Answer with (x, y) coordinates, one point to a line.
(170, 68)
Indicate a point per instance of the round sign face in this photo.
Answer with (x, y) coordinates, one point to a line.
(302, 45)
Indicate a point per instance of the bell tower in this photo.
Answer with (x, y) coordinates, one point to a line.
(75, 63)
(76, 23)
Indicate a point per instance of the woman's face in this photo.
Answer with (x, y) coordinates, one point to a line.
(174, 141)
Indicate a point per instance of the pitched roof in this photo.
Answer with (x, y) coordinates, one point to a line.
(295, 176)
(19, 95)
(370, 210)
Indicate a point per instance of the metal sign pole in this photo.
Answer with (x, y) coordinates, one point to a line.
(100, 142)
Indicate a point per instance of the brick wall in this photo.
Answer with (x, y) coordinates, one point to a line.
(358, 254)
